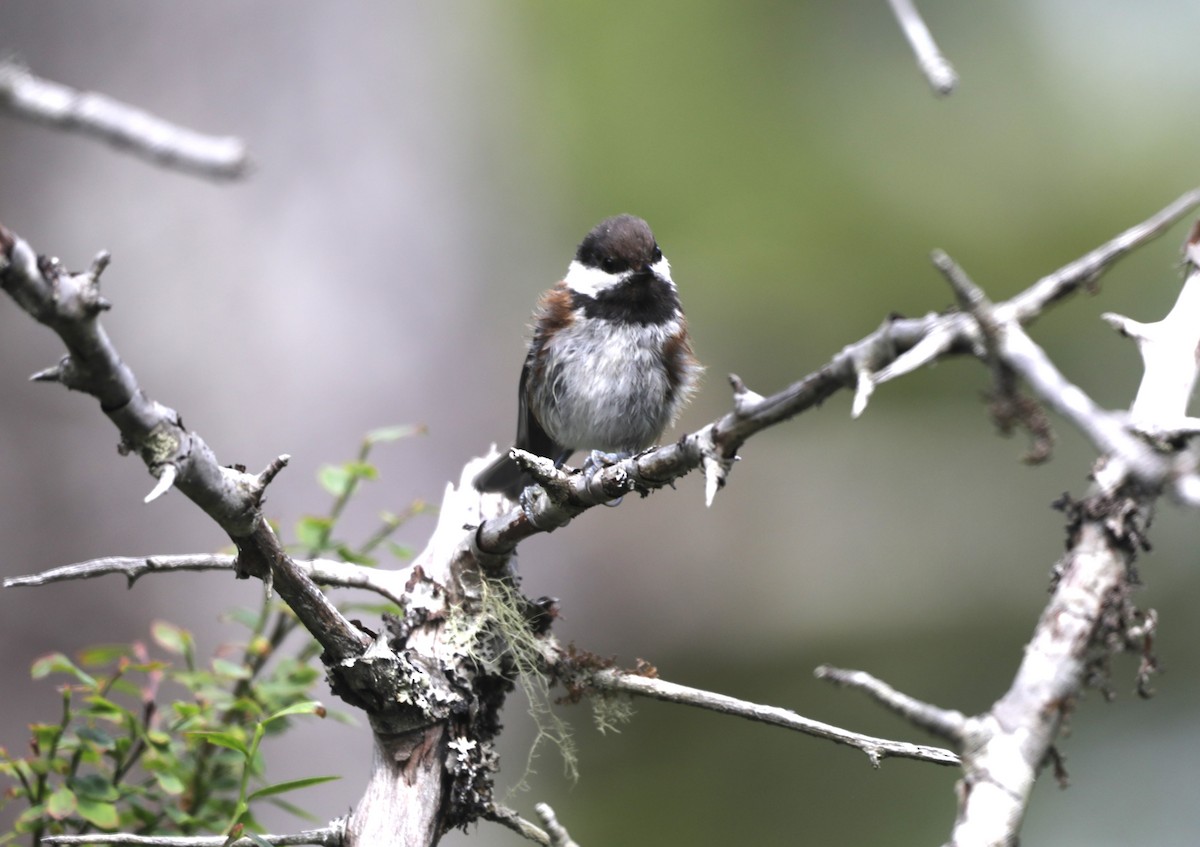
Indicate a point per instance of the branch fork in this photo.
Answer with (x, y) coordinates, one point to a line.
(413, 667)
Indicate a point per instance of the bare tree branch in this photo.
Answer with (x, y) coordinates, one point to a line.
(559, 837)
(1168, 349)
(1089, 615)
(1084, 271)
(70, 304)
(509, 818)
(330, 836)
(391, 584)
(876, 749)
(1008, 344)
(936, 68)
(421, 700)
(944, 723)
(121, 125)
(899, 346)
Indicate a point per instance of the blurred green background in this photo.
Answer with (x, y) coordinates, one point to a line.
(425, 170)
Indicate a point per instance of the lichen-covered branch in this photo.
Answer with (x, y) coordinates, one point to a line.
(432, 683)
(1090, 615)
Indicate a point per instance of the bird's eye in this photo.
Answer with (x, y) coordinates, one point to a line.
(610, 264)
(657, 254)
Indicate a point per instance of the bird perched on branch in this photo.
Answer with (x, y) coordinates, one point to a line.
(610, 363)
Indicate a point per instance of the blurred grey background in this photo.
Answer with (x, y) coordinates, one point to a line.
(425, 170)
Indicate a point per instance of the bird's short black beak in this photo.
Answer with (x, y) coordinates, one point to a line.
(643, 274)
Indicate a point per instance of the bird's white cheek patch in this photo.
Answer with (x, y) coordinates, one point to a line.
(589, 281)
(662, 269)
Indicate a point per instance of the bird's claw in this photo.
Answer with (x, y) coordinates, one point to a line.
(597, 461)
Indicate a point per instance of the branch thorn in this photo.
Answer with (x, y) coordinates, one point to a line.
(715, 465)
(98, 265)
(1126, 326)
(272, 470)
(864, 388)
(50, 374)
(166, 478)
(744, 400)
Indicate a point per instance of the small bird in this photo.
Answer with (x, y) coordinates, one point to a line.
(610, 363)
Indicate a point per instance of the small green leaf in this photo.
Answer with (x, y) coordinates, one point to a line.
(172, 638)
(395, 433)
(292, 809)
(30, 818)
(98, 738)
(247, 707)
(335, 479)
(22, 771)
(361, 470)
(94, 787)
(102, 707)
(230, 670)
(45, 735)
(59, 663)
(61, 804)
(401, 551)
(99, 655)
(186, 711)
(222, 739)
(308, 707)
(98, 814)
(195, 681)
(290, 785)
(313, 532)
(179, 817)
(355, 558)
(169, 783)
(246, 617)
(377, 609)
(129, 689)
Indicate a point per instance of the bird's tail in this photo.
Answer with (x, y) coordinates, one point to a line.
(503, 476)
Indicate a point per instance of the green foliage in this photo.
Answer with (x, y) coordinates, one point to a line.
(314, 533)
(159, 744)
(149, 745)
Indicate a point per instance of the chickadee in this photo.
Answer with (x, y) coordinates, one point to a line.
(610, 363)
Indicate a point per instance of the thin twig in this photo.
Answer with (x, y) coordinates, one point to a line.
(330, 836)
(936, 68)
(70, 305)
(1011, 347)
(899, 346)
(559, 837)
(1083, 272)
(944, 723)
(526, 829)
(331, 572)
(121, 125)
(876, 749)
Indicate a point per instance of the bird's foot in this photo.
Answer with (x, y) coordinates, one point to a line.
(597, 461)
